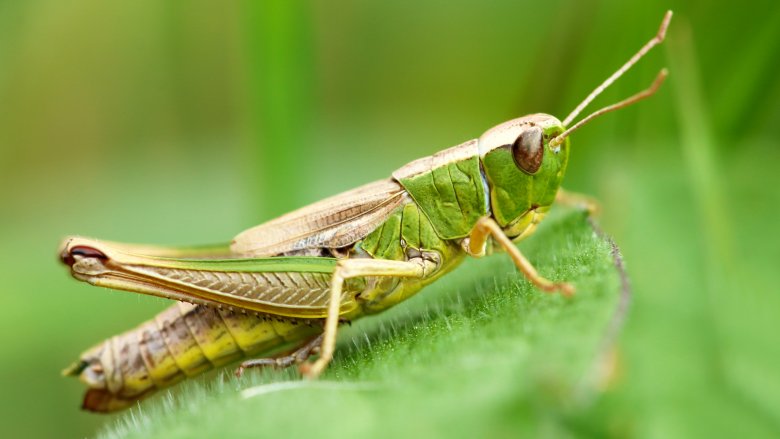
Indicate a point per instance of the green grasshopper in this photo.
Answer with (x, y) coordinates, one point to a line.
(290, 281)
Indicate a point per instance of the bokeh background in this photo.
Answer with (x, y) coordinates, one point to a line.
(186, 122)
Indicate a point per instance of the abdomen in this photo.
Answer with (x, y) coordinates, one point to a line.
(184, 340)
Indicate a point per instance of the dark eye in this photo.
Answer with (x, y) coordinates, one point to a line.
(528, 150)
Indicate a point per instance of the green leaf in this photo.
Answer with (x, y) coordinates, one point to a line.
(479, 353)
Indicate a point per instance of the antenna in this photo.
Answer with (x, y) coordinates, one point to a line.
(557, 140)
(657, 39)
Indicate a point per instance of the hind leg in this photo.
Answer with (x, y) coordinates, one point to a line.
(297, 356)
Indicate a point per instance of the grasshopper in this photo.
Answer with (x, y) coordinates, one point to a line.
(290, 281)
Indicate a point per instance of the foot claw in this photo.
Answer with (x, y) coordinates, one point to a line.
(306, 370)
(566, 289)
(311, 371)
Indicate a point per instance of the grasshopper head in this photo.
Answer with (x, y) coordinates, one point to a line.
(523, 170)
(524, 159)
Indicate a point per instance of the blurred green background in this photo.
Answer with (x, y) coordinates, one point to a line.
(186, 122)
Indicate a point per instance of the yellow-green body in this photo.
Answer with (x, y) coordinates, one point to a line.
(354, 254)
(186, 340)
(265, 293)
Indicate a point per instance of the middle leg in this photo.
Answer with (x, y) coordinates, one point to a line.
(346, 269)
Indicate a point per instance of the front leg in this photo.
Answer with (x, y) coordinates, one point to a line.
(488, 227)
(578, 200)
(346, 269)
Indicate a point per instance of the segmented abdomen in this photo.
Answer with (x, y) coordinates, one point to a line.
(184, 340)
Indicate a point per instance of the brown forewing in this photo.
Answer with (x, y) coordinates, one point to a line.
(335, 222)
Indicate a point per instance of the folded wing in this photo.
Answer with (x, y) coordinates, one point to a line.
(335, 222)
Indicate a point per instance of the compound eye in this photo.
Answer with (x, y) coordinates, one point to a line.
(528, 150)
